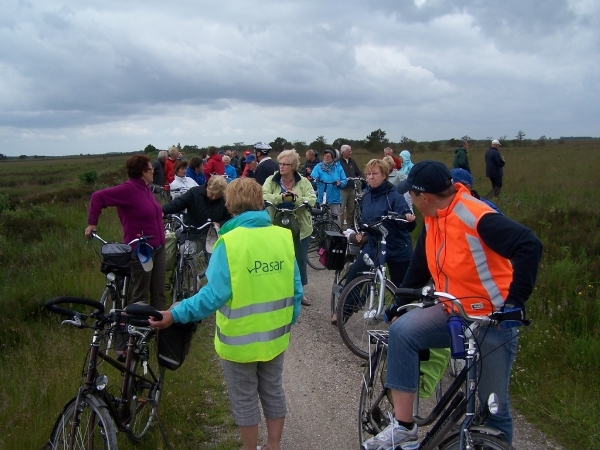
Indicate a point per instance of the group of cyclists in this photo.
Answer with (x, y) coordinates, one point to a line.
(257, 273)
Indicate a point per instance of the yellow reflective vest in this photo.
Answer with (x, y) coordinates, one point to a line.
(254, 325)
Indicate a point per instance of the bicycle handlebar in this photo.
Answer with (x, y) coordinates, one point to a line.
(138, 239)
(430, 298)
(189, 227)
(135, 314)
(280, 209)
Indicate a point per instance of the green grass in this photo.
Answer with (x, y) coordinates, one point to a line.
(552, 189)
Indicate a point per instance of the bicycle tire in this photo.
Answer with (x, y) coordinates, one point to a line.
(481, 441)
(317, 241)
(339, 278)
(356, 320)
(375, 401)
(144, 394)
(357, 217)
(202, 260)
(96, 429)
(189, 279)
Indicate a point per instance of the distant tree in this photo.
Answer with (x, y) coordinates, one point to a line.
(467, 138)
(453, 142)
(376, 141)
(520, 136)
(504, 141)
(434, 146)
(25, 156)
(300, 146)
(341, 141)
(238, 145)
(542, 140)
(278, 144)
(190, 148)
(407, 143)
(319, 144)
(150, 149)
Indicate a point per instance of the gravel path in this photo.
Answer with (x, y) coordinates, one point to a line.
(322, 382)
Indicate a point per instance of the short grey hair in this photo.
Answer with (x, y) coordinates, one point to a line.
(293, 157)
(345, 147)
(173, 151)
(226, 158)
(162, 154)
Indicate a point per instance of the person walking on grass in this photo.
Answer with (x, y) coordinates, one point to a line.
(461, 160)
(255, 291)
(494, 163)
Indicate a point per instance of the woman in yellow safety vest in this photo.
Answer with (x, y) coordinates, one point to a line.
(256, 292)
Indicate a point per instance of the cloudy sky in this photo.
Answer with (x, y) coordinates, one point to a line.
(104, 75)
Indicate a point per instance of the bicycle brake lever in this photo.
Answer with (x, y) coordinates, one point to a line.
(75, 322)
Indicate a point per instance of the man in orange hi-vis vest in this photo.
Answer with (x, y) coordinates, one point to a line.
(483, 258)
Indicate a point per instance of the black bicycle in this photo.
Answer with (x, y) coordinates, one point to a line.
(93, 417)
(456, 422)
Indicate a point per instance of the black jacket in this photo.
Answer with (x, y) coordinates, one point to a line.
(158, 177)
(265, 169)
(493, 163)
(199, 207)
(351, 170)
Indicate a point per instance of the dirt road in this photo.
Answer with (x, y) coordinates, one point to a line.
(322, 382)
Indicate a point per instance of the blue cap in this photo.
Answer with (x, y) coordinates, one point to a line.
(250, 158)
(461, 176)
(426, 176)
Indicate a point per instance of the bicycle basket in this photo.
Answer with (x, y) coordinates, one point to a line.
(116, 258)
(174, 344)
(335, 250)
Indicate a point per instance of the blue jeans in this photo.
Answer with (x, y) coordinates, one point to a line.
(426, 328)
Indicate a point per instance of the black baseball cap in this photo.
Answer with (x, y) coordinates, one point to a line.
(426, 176)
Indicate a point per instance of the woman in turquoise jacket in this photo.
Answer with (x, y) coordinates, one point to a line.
(259, 298)
(330, 178)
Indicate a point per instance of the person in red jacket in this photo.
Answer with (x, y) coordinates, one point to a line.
(169, 166)
(214, 164)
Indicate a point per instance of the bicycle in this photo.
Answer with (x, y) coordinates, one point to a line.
(94, 416)
(362, 302)
(339, 276)
(191, 261)
(358, 196)
(116, 265)
(448, 431)
(323, 220)
(161, 195)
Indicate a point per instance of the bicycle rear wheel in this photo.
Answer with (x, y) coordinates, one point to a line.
(354, 315)
(189, 279)
(375, 400)
(202, 260)
(481, 441)
(96, 429)
(317, 241)
(143, 394)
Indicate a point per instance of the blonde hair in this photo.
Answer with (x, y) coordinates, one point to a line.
(378, 164)
(292, 155)
(226, 159)
(243, 194)
(390, 162)
(216, 185)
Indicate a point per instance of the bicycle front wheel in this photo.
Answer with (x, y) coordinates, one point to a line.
(143, 393)
(357, 309)
(95, 428)
(481, 441)
(317, 241)
(339, 279)
(375, 400)
(201, 260)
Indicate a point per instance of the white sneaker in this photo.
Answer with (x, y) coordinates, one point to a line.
(392, 436)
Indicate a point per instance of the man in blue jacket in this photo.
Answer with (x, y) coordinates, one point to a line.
(494, 162)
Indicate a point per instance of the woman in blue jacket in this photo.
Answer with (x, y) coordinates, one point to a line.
(330, 178)
(381, 198)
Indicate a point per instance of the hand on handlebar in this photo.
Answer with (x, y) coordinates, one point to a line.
(411, 217)
(511, 316)
(289, 196)
(166, 321)
(392, 313)
(89, 230)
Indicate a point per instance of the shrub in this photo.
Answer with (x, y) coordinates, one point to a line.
(3, 202)
(89, 177)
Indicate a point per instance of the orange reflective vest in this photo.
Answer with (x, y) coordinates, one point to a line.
(460, 262)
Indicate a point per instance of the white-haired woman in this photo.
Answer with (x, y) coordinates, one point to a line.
(230, 172)
(288, 189)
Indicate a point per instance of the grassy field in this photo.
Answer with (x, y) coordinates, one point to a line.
(553, 189)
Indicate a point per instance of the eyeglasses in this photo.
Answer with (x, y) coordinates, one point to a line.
(284, 164)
